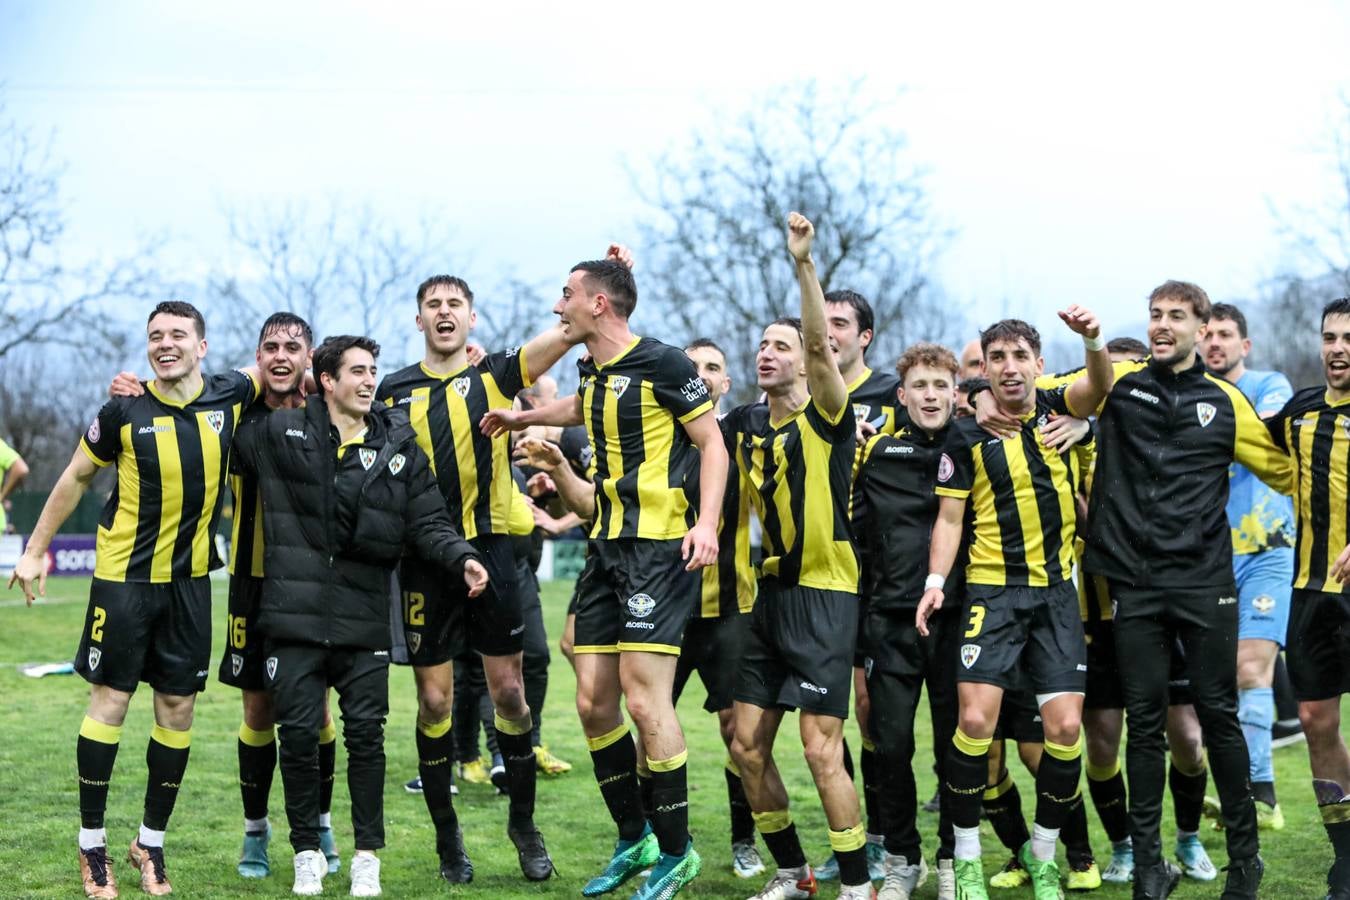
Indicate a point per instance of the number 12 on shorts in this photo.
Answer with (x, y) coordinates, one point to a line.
(413, 601)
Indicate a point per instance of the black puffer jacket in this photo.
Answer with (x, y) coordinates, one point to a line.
(335, 526)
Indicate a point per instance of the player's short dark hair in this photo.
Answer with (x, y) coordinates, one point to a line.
(935, 356)
(1011, 330)
(709, 343)
(966, 385)
(450, 281)
(794, 323)
(1186, 292)
(1229, 313)
(328, 355)
(1338, 307)
(861, 307)
(286, 321)
(615, 281)
(1133, 346)
(182, 309)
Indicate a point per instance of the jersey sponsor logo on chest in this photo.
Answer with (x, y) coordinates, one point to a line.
(295, 433)
(1145, 396)
(900, 449)
(154, 429)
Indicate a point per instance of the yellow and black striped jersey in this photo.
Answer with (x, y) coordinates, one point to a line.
(645, 465)
(1022, 496)
(246, 533)
(1315, 432)
(800, 470)
(171, 458)
(874, 400)
(472, 470)
(729, 585)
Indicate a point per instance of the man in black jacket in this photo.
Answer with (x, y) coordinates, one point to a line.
(344, 488)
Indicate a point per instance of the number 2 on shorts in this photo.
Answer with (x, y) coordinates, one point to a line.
(96, 628)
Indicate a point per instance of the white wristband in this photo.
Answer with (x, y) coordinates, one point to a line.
(1097, 343)
(934, 580)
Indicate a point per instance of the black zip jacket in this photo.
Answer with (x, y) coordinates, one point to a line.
(335, 525)
(1156, 515)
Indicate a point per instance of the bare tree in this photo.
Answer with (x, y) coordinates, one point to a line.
(716, 262)
(44, 297)
(1288, 338)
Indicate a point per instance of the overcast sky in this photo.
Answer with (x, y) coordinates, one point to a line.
(1083, 152)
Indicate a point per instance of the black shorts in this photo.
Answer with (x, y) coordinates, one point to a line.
(241, 665)
(1037, 630)
(634, 594)
(1318, 654)
(799, 650)
(712, 647)
(156, 633)
(895, 646)
(1103, 674)
(440, 620)
(1019, 717)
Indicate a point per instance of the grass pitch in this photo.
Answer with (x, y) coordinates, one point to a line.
(39, 719)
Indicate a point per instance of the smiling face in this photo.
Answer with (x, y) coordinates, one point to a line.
(712, 370)
(1336, 353)
(282, 356)
(352, 391)
(1013, 367)
(780, 360)
(174, 347)
(928, 393)
(445, 317)
(847, 340)
(1173, 330)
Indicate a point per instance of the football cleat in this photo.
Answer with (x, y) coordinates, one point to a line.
(630, 858)
(310, 868)
(534, 859)
(150, 860)
(330, 852)
(548, 763)
(789, 884)
(745, 859)
(670, 874)
(365, 875)
(96, 873)
(902, 879)
(253, 861)
(1194, 860)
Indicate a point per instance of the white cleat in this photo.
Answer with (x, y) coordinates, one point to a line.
(789, 884)
(745, 860)
(310, 867)
(946, 880)
(902, 879)
(365, 875)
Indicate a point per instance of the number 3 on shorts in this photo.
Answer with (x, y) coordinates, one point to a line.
(96, 628)
(976, 621)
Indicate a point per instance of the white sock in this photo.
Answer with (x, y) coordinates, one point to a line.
(150, 838)
(967, 843)
(1043, 842)
(326, 820)
(255, 826)
(93, 837)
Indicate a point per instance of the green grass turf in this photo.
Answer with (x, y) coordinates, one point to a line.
(39, 719)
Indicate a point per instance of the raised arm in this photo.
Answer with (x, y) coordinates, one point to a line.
(823, 379)
(1086, 395)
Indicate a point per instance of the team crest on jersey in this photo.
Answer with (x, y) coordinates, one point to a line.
(367, 457)
(1345, 425)
(396, 464)
(95, 431)
(461, 386)
(862, 412)
(969, 653)
(618, 384)
(236, 664)
(1205, 412)
(95, 656)
(216, 419)
(414, 641)
(946, 469)
(271, 667)
(641, 605)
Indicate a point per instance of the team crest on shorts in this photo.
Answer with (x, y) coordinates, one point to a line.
(236, 664)
(396, 464)
(618, 384)
(969, 653)
(367, 457)
(461, 386)
(946, 468)
(414, 641)
(95, 656)
(216, 419)
(641, 605)
(1205, 413)
(1263, 604)
(95, 431)
(271, 666)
